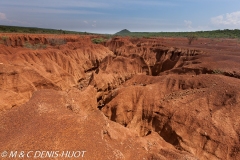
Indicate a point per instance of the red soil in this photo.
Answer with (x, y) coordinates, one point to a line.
(156, 98)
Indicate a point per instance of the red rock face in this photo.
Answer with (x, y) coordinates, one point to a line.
(156, 98)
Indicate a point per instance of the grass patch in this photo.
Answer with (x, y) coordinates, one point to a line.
(4, 39)
(56, 41)
(34, 46)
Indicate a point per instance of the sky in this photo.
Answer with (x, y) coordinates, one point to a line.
(111, 16)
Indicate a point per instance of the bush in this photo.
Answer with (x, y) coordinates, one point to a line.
(4, 38)
(217, 71)
(191, 38)
(98, 40)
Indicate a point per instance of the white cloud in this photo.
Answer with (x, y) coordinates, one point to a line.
(94, 24)
(3, 16)
(11, 22)
(188, 24)
(227, 19)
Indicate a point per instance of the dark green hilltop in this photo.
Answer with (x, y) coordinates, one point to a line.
(123, 32)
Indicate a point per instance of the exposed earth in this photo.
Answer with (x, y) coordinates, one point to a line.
(127, 98)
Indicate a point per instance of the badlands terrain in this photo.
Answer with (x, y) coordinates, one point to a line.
(127, 98)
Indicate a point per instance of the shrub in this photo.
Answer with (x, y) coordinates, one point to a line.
(98, 40)
(191, 38)
(217, 71)
(4, 39)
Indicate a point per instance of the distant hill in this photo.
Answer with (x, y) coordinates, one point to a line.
(123, 32)
(226, 33)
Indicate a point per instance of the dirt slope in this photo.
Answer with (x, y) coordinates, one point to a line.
(24, 70)
(125, 99)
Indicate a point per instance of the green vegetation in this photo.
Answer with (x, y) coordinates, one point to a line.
(34, 46)
(217, 71)
(4, 39)
(52, 41)
(98, 40)
(17, 29)
(226, 33)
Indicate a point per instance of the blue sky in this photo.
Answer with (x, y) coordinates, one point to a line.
(110, 16)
